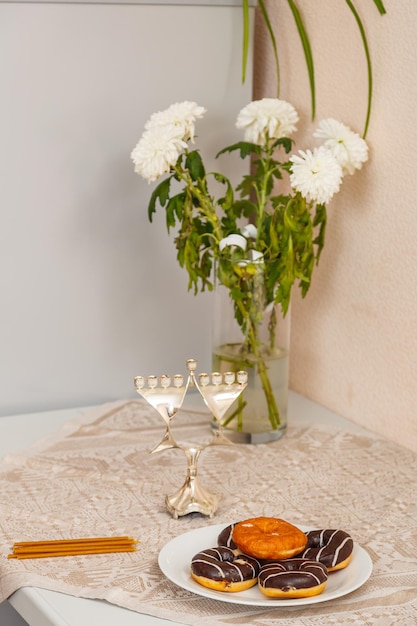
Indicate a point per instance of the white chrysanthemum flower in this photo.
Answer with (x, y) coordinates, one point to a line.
(249, 231)
(233, 240)
(256, 256)
(268, 117)
(316, 174)
(181, 115)
(157, 151)
(347, 146)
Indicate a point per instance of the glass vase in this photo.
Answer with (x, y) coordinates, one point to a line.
(262, 349)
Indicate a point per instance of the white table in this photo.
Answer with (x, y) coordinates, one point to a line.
(40, 607)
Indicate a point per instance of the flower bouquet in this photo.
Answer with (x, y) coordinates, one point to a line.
(255, 240)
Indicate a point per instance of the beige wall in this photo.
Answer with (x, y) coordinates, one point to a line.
(354, 338)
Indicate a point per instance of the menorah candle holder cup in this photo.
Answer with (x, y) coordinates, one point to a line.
(166, 395)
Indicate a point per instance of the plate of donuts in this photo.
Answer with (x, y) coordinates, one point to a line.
(175, 563)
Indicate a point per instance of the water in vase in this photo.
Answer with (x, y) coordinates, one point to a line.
(228, 357)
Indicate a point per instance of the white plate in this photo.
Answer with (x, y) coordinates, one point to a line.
(175, 562)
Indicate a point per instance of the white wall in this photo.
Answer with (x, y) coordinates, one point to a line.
(354, 338)
(91, 293)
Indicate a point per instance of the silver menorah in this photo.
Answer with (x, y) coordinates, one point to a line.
(166, 394)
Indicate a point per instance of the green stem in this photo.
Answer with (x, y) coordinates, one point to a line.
(205, 202)
(261, 188)
(237, 413)
(262, 370)
(273, 411)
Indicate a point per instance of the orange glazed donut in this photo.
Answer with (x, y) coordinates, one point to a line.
(292, 578)
(269, 538)
(222, 569)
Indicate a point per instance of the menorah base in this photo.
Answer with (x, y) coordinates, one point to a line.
(191, 498)
(167, 400)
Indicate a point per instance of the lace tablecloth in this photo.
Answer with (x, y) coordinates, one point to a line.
(95, 477)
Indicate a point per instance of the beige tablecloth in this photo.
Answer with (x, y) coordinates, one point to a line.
(95, 477)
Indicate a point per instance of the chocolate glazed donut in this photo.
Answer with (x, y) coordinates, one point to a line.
(292, 578)
(331, 547)
(226, 537)
(221, 569)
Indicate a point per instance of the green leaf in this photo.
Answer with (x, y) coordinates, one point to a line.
(285, 142)
(161, 194)
(179, 206)
(273, 41)
(194, 164)
(206, 267)
(169, 214)
(244, 208)
(306, 47)
(245, 42)
(273, 235)
(174, 209)
(320, 220)
(227, 201)
(380, 6)
(277, 174)
(307, 54)
(290, 222)
(368, 62)
(246, 186)
(280, 200)
(246, 148)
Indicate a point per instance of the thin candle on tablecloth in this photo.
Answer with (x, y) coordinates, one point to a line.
(72, 547)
